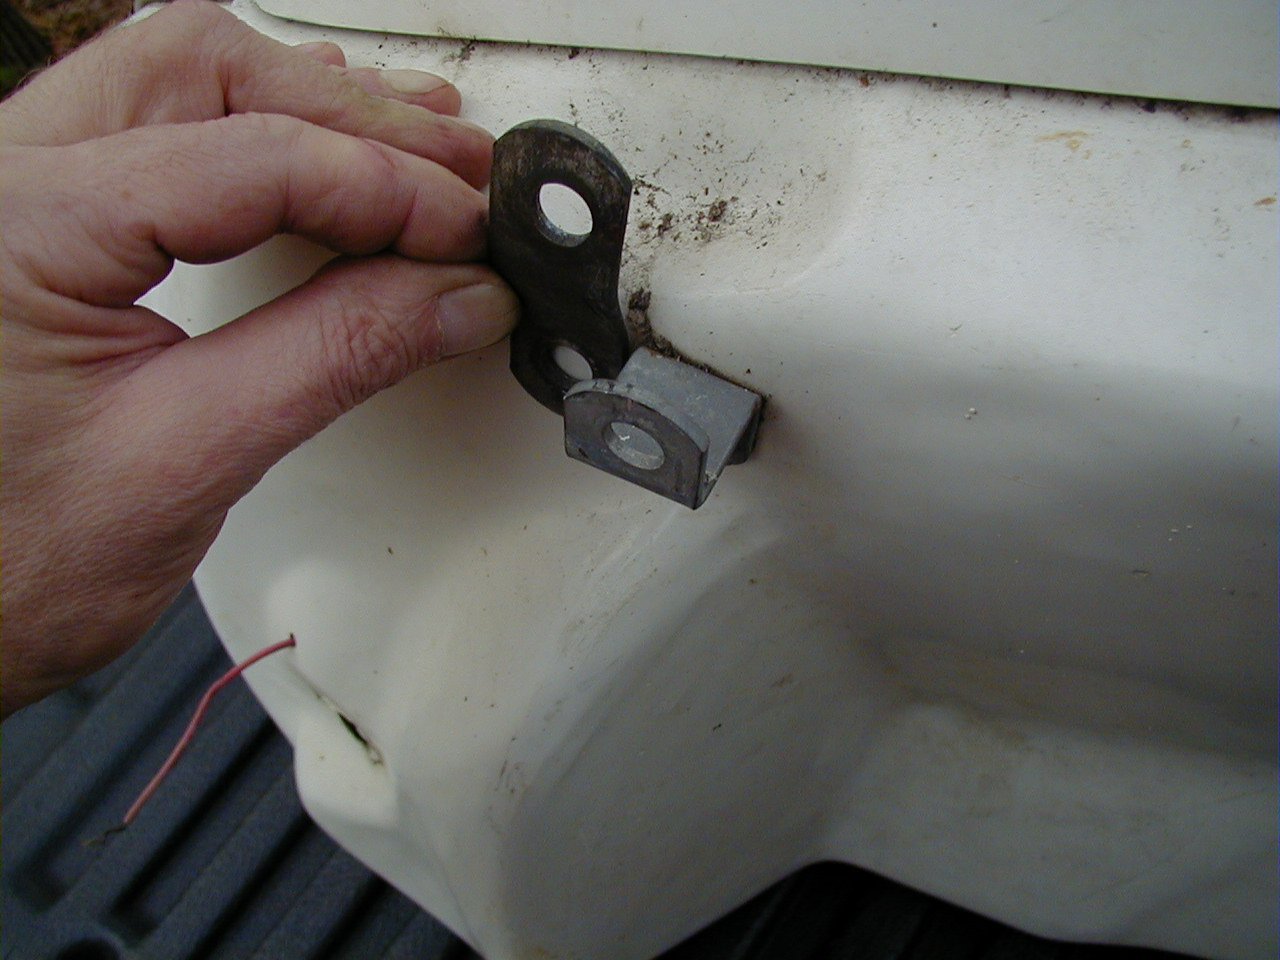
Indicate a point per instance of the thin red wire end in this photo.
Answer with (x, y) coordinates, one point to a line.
(189, 734)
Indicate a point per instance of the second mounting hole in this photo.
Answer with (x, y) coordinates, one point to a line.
(634, 446)
(571, 363)
(566, 212)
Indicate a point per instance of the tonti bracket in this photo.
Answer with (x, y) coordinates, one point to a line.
(659, 422)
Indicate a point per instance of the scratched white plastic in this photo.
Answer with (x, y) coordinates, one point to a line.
(1204, 50)
(992, 610)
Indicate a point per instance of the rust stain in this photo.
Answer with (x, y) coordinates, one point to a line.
(1072, 139)
(1266, 202)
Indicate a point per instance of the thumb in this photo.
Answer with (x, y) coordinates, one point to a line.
(228, 404)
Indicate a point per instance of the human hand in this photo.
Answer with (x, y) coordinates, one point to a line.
(190, 136)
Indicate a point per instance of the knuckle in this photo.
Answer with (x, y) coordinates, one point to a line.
(335, 101)
(277, 141)
(380, 187)
(264, 127)
(329, 52)
(364, 351)
(377, 166)
(197, 11)
(186, 21)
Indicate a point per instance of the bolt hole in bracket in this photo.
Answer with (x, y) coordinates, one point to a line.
(658, 422)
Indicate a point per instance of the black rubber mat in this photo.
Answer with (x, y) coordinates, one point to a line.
(225, 865)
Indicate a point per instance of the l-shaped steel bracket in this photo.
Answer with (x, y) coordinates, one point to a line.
(657, 421)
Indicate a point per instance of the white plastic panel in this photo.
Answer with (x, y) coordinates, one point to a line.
(992, 610)
(1201, 50)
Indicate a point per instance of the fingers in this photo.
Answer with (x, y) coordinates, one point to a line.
(226, 405)
(124, 220)
(327, 53)
(413, 86)
(194, 61)
(116, 482)
(416, 86)
(366, 103)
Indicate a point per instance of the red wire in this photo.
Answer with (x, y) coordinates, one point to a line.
(132, 813)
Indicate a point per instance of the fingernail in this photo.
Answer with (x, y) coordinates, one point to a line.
(473, 317)
(412, 81)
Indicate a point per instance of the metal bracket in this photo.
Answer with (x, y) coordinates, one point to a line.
(663, 424)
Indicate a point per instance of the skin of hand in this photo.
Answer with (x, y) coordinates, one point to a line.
(189, 136)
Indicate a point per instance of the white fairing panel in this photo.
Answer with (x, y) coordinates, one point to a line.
(991, 610)
(1204, 50)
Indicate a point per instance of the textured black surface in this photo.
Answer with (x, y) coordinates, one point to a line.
(22, 47)
(225, 864)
